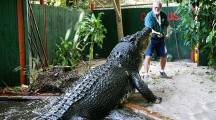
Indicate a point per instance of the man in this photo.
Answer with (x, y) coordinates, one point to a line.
(157, 20)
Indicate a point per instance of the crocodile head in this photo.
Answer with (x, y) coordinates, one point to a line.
(143, 39)
(140, 39)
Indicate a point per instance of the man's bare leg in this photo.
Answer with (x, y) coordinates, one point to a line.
(163, 60)
(146, 66)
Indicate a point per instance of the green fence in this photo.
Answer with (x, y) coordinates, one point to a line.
(133, 21)
(9, 44)
(60, 22)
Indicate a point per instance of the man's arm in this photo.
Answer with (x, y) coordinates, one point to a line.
(157, 33)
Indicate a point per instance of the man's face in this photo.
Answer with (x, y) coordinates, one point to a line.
(156, 8)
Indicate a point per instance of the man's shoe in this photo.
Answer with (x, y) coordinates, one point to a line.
(164, 75)
(145, 77)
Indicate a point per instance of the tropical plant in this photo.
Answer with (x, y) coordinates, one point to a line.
(91, 32)
(198, 23)
(66, 55)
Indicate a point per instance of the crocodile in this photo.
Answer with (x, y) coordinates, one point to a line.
(106, 86)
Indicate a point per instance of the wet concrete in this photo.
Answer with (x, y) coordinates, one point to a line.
(125, 113)
(26, 110)
(12, 110)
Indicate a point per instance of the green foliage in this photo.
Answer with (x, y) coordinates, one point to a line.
(35, 83)
(66, 55)
(81, 4)
(91, 31)
(77, 4)
(199, 25)
(16, 88)
(18, 68)
(167, 1)
(30, 73)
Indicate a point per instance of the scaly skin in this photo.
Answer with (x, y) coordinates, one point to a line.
(103, 88)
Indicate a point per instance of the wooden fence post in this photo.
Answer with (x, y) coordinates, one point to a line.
(21, 38)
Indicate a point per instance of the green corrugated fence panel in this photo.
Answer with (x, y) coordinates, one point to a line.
(25, 7)
(111, 39)
(59, 22)
(9, 46)
(203, 59)
(133, 22)
(177, 39)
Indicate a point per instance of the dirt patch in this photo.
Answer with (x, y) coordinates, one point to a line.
(51, 82)
(54, 81)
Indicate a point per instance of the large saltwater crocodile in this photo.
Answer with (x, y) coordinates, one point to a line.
(103, 88)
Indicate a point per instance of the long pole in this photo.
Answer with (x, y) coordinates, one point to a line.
(46, 62)
(45, 41)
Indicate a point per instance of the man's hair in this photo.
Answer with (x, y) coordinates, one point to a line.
(157, 2)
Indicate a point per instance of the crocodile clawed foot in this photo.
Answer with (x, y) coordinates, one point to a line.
(156, 101)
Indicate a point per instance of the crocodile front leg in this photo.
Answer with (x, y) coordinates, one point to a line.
(143, 88)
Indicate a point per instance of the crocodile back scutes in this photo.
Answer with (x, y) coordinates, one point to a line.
(76, 92)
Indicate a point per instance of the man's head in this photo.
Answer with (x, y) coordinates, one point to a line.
(157, 6)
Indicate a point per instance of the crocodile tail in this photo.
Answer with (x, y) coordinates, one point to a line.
(72, 95)
(57, 110)
(59, 107)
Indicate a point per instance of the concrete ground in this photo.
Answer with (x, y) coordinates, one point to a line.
(189, 95)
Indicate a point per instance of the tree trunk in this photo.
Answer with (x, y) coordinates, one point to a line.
(117, 8)
(67, 3)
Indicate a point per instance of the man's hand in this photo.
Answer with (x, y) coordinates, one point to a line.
(168, 36)
(160, 35)
(168, 32)
(157, 33)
